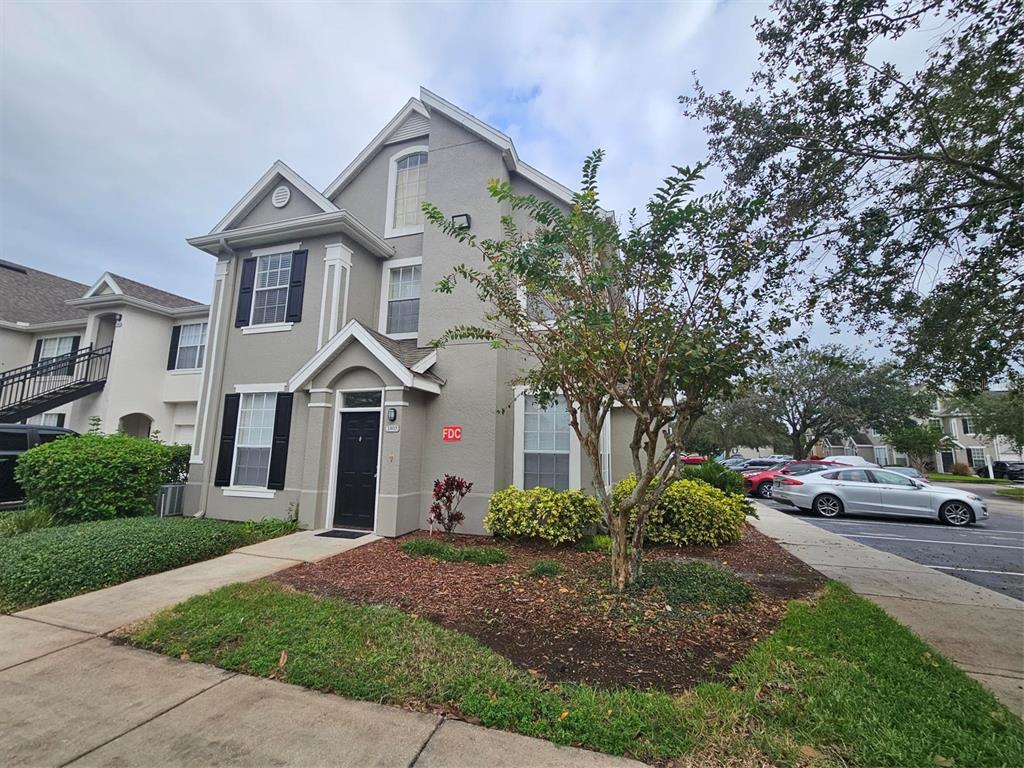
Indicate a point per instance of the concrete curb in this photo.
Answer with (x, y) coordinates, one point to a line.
(980, 630)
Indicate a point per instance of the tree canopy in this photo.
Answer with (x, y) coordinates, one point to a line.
(900, 186)
(659, 317)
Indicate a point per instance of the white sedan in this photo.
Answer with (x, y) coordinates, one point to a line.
(872, 491)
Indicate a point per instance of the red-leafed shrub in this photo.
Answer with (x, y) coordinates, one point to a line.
(449, 491)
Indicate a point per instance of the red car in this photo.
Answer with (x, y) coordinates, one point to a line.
(758, 482)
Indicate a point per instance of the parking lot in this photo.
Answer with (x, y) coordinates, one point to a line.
(990, 553)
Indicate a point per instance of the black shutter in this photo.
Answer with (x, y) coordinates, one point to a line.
(172, 353)
(296, 287)
(71, 355)
(245, 292)
(39, 350)
(279, 445)
(228, 426)
(60, 419)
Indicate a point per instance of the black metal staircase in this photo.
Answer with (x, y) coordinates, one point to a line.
(38, 387)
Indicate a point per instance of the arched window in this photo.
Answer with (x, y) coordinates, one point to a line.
(407, 191)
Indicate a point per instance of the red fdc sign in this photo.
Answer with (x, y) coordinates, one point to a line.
(451, 433)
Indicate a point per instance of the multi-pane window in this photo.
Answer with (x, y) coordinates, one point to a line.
(410, 190)
(968, 424)
(881, 456)
(55, 346)
(545, 444)
(191, 346)
(46, 420)
(270, 301)
(976, 456)
(253, 438)
(404, 300)
(935, 423)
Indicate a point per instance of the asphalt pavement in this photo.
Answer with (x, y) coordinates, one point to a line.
(989, 554)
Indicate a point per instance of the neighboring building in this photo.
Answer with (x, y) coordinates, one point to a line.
(968, 447)
(121, 351)
(322, 393)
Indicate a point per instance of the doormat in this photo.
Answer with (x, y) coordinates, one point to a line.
(338, 534)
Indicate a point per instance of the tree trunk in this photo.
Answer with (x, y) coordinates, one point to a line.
(622, 570)
(797, 446)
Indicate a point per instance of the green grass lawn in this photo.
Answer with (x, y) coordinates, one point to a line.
(50, 564)
(940, 477)
(1013, 493)
(839, 683)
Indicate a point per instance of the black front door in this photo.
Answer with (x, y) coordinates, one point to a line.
(947, 461)
(357, 470)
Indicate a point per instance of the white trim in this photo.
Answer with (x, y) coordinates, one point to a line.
(267, 328)
(364, 157)
(339, 256)
(248, 492)
(425, 364)
(323, 305)
(518, 424)
(105, 279)
(396, 403)
(320, 390)
(244, 206)
(353, 330)
(184, 371)
(206, 379)
(257, 388)
(390, 230)
(318, 405)
(385, 289)
(275, 250)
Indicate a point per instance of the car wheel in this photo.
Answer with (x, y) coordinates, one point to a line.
(828, 505)
(957, 513)
(764, 490)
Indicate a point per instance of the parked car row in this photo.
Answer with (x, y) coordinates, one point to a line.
(875, 491)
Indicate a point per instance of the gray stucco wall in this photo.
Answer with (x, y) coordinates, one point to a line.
(264, 212)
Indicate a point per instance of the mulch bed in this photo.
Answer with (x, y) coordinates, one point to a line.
(572, 627)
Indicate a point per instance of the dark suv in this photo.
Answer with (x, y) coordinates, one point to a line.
(15, 439)
(1011, 470)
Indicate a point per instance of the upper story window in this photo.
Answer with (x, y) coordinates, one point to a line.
(270, 297)
(55, 346)
(545, 444)
(191, 346)
(407, 189)
(404, 300)
(968, 424)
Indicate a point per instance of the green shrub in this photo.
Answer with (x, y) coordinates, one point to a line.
(691, 512)
(24, 520)
(557, 517)
(713, 473)
(542, 568)
(177, 458)
(443, 551)
(695, 583)
(50, 564)
(962, 469)
(598, 542)
(93, 477)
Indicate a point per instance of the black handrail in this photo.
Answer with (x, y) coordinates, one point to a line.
(36, 380)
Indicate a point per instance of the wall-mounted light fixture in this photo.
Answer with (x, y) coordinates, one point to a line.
(392, 414)
(461, 220)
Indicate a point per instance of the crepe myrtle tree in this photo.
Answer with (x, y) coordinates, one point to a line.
(659, 316)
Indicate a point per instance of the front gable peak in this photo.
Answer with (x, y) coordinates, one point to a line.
(279, 188)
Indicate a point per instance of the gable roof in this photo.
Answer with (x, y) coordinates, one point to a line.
(30, 296)
(404, 359)
(427, 102)
(263, 186)
(145, 292)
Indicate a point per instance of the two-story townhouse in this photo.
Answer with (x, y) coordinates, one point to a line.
(119, 351)
(322, 391)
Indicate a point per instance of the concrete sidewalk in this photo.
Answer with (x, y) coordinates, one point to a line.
(70, 696)
(980, 630)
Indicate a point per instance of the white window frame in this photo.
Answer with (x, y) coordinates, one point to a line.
(200, 352)
(970, 429)
(262, 490)
(970, 458)
(266, 253)
(518, 443)
(385, 291)
(70, 338)
(390, 230)
(605, 451)
(885, 455)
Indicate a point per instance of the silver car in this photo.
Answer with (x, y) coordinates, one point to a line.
(873, 491)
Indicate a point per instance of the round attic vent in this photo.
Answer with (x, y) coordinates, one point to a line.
(281, 196)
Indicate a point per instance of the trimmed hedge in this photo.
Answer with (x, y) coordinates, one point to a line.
(94, 477)
(557, 517)
(691, 512)
(53, 563)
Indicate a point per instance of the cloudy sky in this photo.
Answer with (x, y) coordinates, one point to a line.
(127, 127)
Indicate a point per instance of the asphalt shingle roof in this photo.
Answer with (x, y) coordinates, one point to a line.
(148, 293)
(404, 350)
(30, 296)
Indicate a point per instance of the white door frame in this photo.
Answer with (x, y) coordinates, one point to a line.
(338, 412)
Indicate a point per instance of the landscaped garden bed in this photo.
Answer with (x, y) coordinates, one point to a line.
(687, 622)
(53, 563)
(729, 655)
